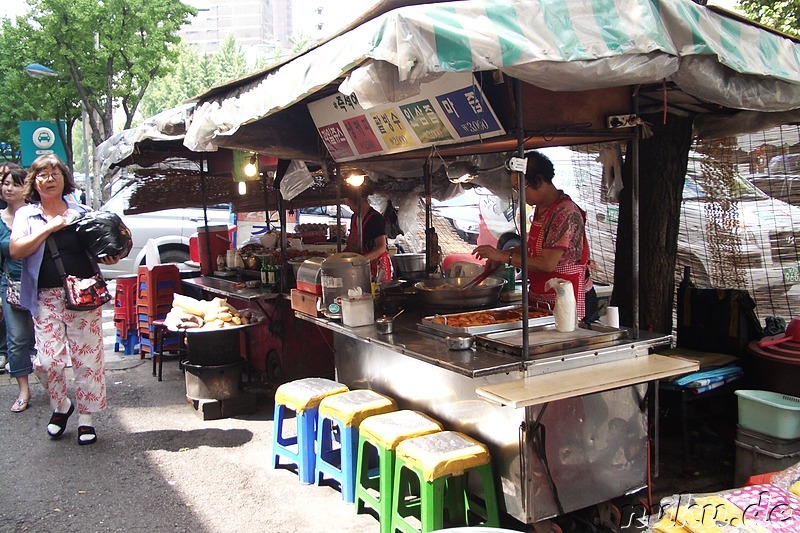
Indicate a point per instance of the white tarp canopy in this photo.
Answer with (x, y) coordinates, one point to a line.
(559, 45)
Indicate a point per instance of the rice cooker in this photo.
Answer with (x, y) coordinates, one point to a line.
(340, 273)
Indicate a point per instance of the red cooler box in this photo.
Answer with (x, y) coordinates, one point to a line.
(219, 240)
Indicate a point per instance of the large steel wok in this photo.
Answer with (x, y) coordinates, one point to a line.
(446, 293)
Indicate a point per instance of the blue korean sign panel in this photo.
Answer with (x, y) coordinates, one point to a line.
(448, 110)
(39, 137)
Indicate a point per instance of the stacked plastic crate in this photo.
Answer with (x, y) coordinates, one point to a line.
(156, 287)
(125, 315)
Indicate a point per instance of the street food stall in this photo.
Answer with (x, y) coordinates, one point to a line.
(403, 92)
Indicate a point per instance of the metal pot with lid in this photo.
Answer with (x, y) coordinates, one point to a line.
(340, 273)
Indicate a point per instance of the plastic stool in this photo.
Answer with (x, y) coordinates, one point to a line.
(380, 434)
(128, 343)
(339, 418)
(438, 465)
(160, 331)
(302, 397)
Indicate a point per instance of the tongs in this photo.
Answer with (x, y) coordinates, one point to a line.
(480, 277)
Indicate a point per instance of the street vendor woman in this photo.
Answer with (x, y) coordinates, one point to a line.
(372, 232)
(557, 245)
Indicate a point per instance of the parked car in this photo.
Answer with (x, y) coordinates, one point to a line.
(466, 210)
(731, 233)
(170, 230)
(782, 179)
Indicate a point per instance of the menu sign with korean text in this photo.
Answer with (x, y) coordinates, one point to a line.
(449, 110)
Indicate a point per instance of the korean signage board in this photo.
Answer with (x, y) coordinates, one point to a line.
(39, 137)
(449, 110)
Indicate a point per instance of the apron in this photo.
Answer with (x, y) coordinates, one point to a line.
(573, 273)
(382, 261)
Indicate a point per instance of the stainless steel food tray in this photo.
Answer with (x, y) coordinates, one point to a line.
(443, 330)
(546, 339)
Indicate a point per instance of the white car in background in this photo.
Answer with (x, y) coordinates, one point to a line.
(170, 230)
(731, 234)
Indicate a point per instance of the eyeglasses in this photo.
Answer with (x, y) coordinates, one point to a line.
(51, 176)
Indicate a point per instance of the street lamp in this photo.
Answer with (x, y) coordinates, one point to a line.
(36, 70)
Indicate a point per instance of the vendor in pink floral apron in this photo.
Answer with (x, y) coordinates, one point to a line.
(372, 232)
(557, 245)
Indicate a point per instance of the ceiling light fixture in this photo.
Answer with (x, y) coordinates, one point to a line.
(356, 177)
(250, 169)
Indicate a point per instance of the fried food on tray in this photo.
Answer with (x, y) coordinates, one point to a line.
(485, 318)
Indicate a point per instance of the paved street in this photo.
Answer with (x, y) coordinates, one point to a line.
(158, 467)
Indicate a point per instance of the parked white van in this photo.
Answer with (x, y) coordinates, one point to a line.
(170, 230)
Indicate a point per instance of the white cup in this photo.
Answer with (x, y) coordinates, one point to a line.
(611, 318)
(230, 258)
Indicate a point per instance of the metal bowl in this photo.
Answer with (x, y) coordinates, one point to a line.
(409, 266)
(446, 293)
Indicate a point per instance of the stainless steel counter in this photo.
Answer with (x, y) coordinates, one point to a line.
(478, 362)
(224, 287)
(594, 447)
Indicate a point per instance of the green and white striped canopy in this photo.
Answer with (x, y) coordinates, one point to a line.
(560, 45)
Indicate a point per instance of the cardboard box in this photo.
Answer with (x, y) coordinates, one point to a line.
(305, 302)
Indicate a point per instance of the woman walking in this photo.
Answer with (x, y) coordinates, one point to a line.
(18, 323)
(61, 334)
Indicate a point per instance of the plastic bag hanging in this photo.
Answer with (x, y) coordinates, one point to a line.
(565, 311)
(392, 225)
(296, 180)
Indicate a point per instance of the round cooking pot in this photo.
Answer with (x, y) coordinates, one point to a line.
(409, 266)
(459, 342)
(384, 325)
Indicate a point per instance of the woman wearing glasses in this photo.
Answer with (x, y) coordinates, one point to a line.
(557, 245)
(61, 334)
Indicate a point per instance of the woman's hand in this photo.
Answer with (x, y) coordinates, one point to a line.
(491, 254)
(110, 259)
(56, 223)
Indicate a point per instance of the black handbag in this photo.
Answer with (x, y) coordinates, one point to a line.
(80, 294)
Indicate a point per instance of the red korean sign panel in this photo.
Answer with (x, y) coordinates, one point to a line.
(449, 110)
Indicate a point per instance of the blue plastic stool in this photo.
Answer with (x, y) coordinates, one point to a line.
(337, 435)
(302, 397)
(129, 343)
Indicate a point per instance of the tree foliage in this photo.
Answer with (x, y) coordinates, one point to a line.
(107, 53)
(783, 15)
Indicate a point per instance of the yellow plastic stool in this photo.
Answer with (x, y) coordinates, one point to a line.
(379, 436)
(437, 465)
(303, 397)
(339, 418)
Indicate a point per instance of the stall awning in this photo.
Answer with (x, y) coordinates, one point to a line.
(559, 45)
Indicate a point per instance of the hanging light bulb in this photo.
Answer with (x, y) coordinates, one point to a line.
(355, 178)
(242, 188)
(250, 170)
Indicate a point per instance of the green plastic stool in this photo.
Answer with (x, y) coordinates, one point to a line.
(379, 436)
(437, 465)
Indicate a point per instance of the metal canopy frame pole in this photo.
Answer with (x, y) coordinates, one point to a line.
(431, 241)
(338, 174)
(523, 230)
(635, 220)
(204, 194)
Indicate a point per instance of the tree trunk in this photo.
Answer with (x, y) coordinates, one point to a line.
(663, 160)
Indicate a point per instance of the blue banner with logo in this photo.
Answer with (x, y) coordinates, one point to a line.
(40, 137)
